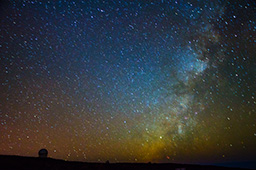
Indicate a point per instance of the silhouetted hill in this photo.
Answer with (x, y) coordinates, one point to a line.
(244, 164)
(31, 163)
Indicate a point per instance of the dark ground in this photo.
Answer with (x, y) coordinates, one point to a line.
(31, 163)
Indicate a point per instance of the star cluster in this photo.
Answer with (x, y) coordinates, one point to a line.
(142, 80)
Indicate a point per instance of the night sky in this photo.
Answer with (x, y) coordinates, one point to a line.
(129, 81)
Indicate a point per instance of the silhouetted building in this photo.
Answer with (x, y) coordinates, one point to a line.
(43, 153)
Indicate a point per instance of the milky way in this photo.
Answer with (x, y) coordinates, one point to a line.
(160, 81)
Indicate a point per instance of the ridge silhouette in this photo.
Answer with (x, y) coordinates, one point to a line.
(32, 163)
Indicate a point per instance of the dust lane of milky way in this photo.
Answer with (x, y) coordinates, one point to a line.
(160, 81)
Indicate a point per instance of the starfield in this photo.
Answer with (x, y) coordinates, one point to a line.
(158, 81)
